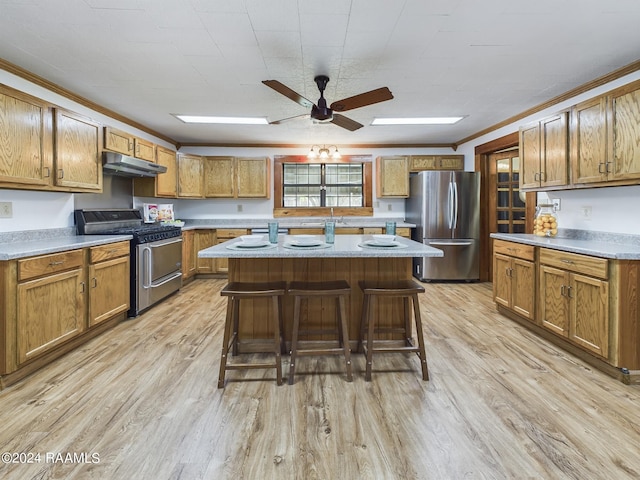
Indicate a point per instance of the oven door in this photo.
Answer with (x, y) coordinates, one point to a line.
(159, 272)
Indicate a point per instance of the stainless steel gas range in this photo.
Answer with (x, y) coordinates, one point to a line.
(156, 252)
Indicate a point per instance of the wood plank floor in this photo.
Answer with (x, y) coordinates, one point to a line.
(501, 404)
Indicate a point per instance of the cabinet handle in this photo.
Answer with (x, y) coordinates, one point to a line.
(60, 173)
(55, 264)
(606, 165)
(81, 287)
(563, 289)
(130, 145)
(94, 282)
(47, 172)
(570, 262)
(536, 177)
(569, 292)
(600, 165)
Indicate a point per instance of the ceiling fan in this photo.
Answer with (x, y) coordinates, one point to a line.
(321, 112)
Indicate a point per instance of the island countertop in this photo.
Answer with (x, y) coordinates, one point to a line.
(345, 246)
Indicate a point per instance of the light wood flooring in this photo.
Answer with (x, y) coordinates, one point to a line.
(501, 404)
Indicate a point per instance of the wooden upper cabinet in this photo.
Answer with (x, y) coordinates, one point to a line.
(25, 139)
(544, 153)
(166, 183)
(77, 152)
(237, 177)
(127, 144)
(418, 163)
(589, 141)
(624, 133)
(219, 174)
(253, 177)
(392, 175)
(190, 168)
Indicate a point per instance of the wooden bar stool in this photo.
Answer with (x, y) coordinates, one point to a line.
(339, 290)
(406, 289)
(237, 291)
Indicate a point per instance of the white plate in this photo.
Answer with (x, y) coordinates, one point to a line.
(305, 246)
(306, 243)
(261, 244)
(239, 246)
(374, 244)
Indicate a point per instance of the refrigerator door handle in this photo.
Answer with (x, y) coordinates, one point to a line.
(446, 244)
(450, 199)
(455, 203)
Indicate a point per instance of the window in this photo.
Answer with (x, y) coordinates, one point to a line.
(323, 185)
(306, 187)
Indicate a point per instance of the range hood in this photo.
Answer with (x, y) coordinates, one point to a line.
(124, 166)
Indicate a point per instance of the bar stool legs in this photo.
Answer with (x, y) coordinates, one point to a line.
(237, 291)
(305, 290)
(408, 290)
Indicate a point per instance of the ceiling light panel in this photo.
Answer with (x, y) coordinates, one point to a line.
(222, 120)
(417, 121)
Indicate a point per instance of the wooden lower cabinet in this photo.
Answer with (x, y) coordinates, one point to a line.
(108, 282)
(53, 303)
(188, 254)
(589, 305)
(50, 311)
(205, 239)
(574, 305)
(224, 234)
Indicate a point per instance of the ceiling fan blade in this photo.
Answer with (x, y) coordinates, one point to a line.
(345, 122)
(287, 92)
(282, 120)
(362, 100)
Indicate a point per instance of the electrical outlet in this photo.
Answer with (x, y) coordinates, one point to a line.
(556, 204)
(389, 207)
(586, 212)
(6, 210)
(239, 207)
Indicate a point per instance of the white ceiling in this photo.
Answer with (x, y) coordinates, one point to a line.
(487, 60)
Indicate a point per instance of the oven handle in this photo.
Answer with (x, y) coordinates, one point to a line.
(146, 267)
(164, 243)
(177, 275)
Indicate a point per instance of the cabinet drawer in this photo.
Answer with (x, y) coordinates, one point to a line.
(47, 264)
(230, 232)
(107, 252)
(592, 266)
(525, 252)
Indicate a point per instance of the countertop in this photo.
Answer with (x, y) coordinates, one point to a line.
(15, 250)
(595, 248)
(346, 246)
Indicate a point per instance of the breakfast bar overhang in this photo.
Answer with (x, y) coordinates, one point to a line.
(351, 258)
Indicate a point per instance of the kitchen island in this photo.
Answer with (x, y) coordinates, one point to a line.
(351, 258)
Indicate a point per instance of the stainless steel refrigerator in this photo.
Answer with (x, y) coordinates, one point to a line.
(445, 208)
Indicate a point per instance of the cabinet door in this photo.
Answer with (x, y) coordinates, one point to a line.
(624, 133)
(219, 175)
(253, 177)
(590, 313)
(144, 149)
(589, 141)
(188, 254)
(530, 156)
(554, 308)
(555, 151)
(77, 152)
(166, 183)
(108, 289)
(423, 162)
(118, 141)
(205, 239)
(523, 288)
(25, 139)
(451, 162)
(502, 280)
(393, 177)
(51, 310)
(190, 176)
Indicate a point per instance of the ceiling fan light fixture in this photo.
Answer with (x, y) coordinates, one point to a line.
(416, 121)
(222, 120)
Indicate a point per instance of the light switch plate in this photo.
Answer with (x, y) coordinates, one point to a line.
(556, 204)
(6, 210)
